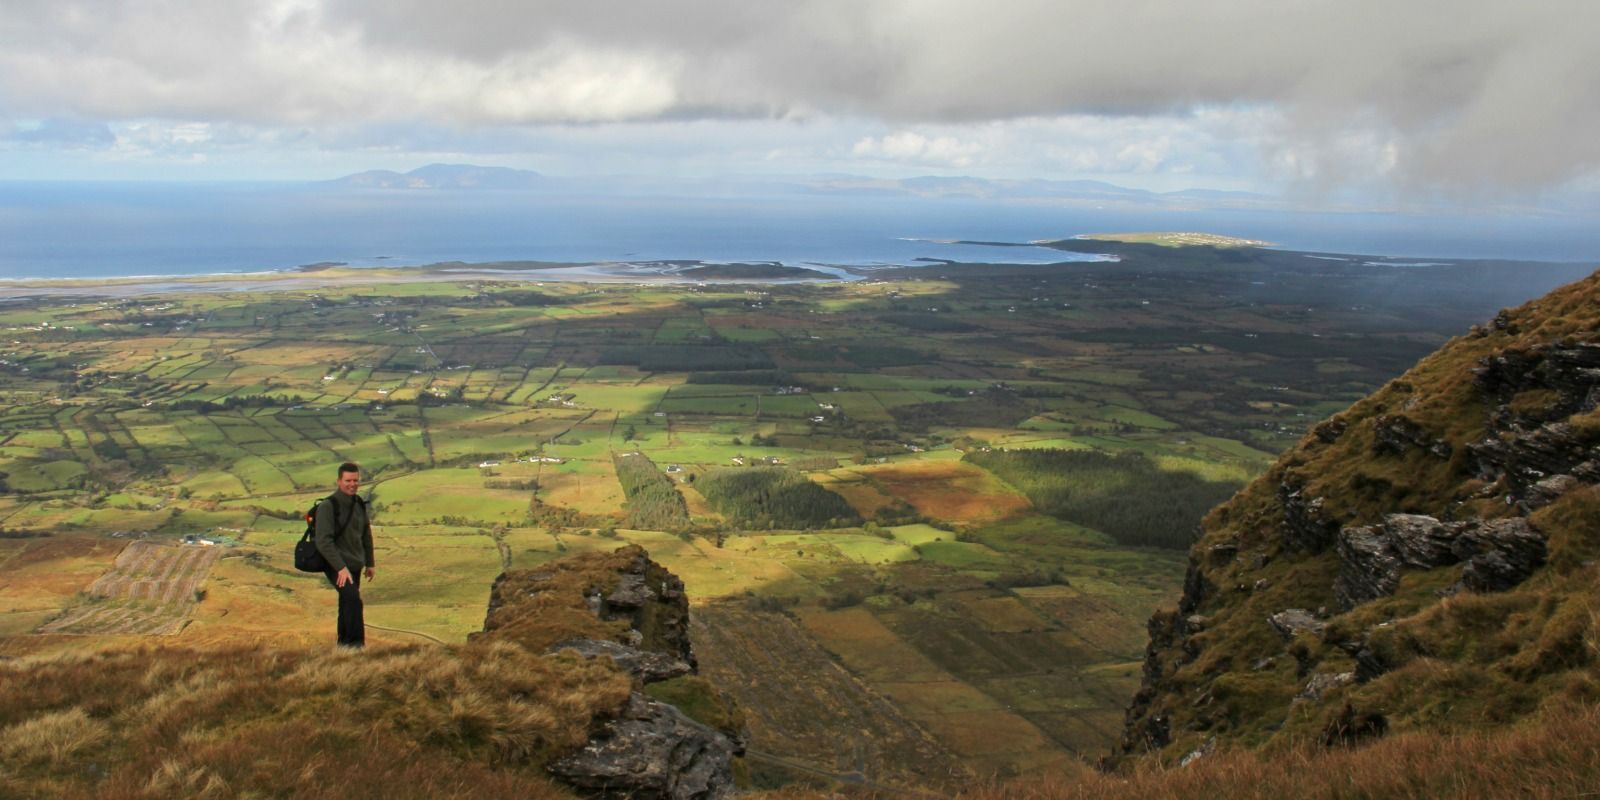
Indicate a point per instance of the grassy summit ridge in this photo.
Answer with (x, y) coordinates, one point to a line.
(1496, 429)
(475, 720)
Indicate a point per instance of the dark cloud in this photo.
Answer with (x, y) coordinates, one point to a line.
(1459, 94)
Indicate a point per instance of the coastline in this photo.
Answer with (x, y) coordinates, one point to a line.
(319, 275)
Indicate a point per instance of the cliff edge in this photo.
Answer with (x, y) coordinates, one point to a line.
(1425, 560)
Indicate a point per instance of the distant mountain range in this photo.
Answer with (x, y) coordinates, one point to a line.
(444, 176)
(458, 177)
(1074, 193)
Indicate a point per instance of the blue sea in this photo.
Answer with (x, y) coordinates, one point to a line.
(93, 230)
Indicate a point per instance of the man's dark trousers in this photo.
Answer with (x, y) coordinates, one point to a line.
(352, 627)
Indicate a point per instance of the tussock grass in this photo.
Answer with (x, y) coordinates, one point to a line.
(1549, 757)
(476, 720)
(50, 738)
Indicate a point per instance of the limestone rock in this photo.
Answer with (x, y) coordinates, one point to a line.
(1525, 459)
(652, 751)
(1324, 682)
(655, 605)
(648, 667)
(649, 749)
(1306, 526)
(1368, 566)
(1499, 554)
(1394, 434)
(1548, 491)
(1572, 371)
(1292, 621)
(631, 592)
(1421, 541)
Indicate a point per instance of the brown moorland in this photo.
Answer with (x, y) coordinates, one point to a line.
(948, 490)
(473, 720)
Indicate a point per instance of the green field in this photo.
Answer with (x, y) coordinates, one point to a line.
(975, 596)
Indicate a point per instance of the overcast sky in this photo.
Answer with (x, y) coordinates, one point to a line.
(1465, 101)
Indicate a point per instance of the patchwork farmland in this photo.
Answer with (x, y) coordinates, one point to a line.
(989, 617)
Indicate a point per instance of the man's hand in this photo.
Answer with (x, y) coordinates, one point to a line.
(369, 573)
(343, 577)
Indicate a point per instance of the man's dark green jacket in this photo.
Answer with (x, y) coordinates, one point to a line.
(349, 547)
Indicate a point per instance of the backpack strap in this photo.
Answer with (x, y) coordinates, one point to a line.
(337, 525)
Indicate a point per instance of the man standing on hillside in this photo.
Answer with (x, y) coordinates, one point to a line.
(344, 537)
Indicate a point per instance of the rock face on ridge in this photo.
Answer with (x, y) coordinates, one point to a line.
(1426, 557)
(1498, 554)
(649, 749)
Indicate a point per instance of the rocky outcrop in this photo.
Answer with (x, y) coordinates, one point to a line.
(1504, 553)
(1195, 588)
(1532, 450)
(647, 666)
(650, 751)
(627, 609)
(1306, 526)
(1293, 621)
(1524, 460)
(1571, 372)
(1499, 554)
(637, 601)
(1395, 435)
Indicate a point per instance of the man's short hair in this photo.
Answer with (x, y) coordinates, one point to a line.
(348, 466)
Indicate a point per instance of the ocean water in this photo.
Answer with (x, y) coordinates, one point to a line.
(87, 230)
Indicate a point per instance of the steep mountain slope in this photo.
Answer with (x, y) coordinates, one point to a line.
(1424, 560)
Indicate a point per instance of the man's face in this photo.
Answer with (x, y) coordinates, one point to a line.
(349, 482)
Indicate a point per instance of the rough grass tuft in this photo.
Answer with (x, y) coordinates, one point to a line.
(1542, 759)
(50, 738)
(476, 720)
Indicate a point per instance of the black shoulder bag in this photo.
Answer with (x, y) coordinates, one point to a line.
(307, 558)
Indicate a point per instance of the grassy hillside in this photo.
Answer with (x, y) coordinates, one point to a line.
(1547, 757)
(1496, 431)
(422, 721)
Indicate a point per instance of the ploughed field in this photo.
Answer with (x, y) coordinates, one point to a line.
(148, 589)
(833, 469)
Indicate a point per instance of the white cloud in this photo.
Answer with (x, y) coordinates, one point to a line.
(915, 148)
(1429, 95)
